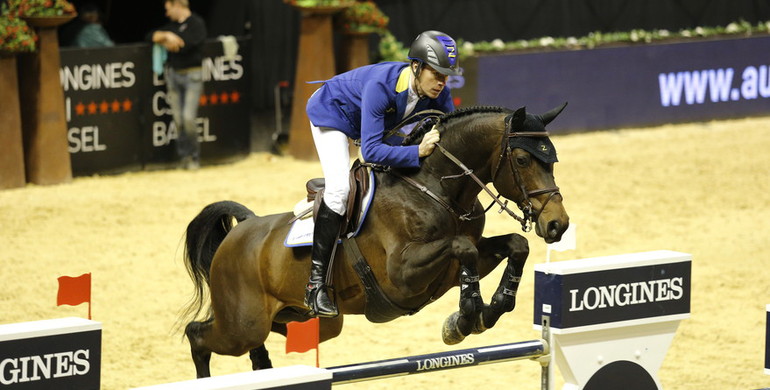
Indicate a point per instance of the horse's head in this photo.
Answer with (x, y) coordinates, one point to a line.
(520, 165)
(524, 172)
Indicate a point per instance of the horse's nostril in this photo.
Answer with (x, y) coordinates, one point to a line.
(553, 229)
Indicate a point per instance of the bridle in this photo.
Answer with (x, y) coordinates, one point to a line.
(525, 205)
(506, 152)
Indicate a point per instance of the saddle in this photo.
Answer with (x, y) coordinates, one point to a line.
(379, 308)
(359, 190)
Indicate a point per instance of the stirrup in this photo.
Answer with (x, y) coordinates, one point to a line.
(311, 301)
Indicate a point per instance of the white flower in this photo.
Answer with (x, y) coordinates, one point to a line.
(700, 31)
(468, 48)
(663, 33)
(634, 36)
(546, 41)
(572, 41)
(524, 43)
(686, 33)
(498, 44)
(732, 28)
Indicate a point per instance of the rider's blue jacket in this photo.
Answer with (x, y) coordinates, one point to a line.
(366, 103)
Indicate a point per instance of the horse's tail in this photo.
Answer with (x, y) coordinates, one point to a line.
(204, 235)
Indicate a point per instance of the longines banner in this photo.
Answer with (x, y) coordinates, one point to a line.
(637, 85)
(117, 115)
(613, 295)
(51, 354)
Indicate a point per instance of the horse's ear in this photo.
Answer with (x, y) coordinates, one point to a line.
(518, 117)
(550, 115)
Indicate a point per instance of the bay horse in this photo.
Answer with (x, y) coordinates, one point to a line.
(422, 236)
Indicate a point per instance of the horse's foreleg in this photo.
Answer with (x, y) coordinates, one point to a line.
(491, 252)
(462, 323)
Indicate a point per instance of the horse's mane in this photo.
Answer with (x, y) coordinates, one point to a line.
(419, 131)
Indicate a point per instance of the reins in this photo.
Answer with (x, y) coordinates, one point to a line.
(525, 205)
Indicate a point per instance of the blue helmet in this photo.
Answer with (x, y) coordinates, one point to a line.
(438, 50)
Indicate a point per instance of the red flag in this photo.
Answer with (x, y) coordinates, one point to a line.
(303, 336)
(74, 291)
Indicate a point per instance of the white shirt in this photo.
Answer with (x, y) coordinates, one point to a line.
(412, 98)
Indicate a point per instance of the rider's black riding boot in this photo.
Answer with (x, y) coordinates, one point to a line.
(325, 234)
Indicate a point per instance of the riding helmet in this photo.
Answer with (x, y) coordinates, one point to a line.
(438, 50)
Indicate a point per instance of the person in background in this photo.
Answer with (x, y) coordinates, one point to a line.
(86, 30)
(364, 104)
(183, 39)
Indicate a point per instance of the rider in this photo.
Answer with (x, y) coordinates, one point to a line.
(363, 104)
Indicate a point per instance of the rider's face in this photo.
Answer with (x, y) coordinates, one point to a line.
(431, 82)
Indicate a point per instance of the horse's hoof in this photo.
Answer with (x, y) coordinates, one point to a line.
(479, 326)
(451, 333)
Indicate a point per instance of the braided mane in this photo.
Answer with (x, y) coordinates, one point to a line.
(416, 135)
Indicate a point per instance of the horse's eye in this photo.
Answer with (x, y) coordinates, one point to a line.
(522, 161)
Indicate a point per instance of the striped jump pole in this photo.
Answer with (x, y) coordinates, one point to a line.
(419, 364)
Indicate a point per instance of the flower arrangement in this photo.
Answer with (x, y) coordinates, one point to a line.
(393, 50)
(598, 38)
(363, 17)
(33, 8)
(15, 35)
(317, 3)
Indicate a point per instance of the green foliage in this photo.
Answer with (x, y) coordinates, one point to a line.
(15, 35)
(31, 8)
(598, 39)
(392, 50)
(363, 17)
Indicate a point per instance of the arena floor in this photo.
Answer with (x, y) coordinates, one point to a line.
(697, 188)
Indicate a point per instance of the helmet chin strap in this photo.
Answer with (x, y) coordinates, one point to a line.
(416, 73)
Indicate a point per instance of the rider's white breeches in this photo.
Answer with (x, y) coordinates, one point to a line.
(333, 152)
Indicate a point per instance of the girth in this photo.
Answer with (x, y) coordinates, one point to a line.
(378, 307)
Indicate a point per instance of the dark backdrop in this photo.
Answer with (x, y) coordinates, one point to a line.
(273, 25)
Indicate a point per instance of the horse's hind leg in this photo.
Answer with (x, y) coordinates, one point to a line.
(491, 252)
(260, 358)
(201, 356)
(210, 336)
